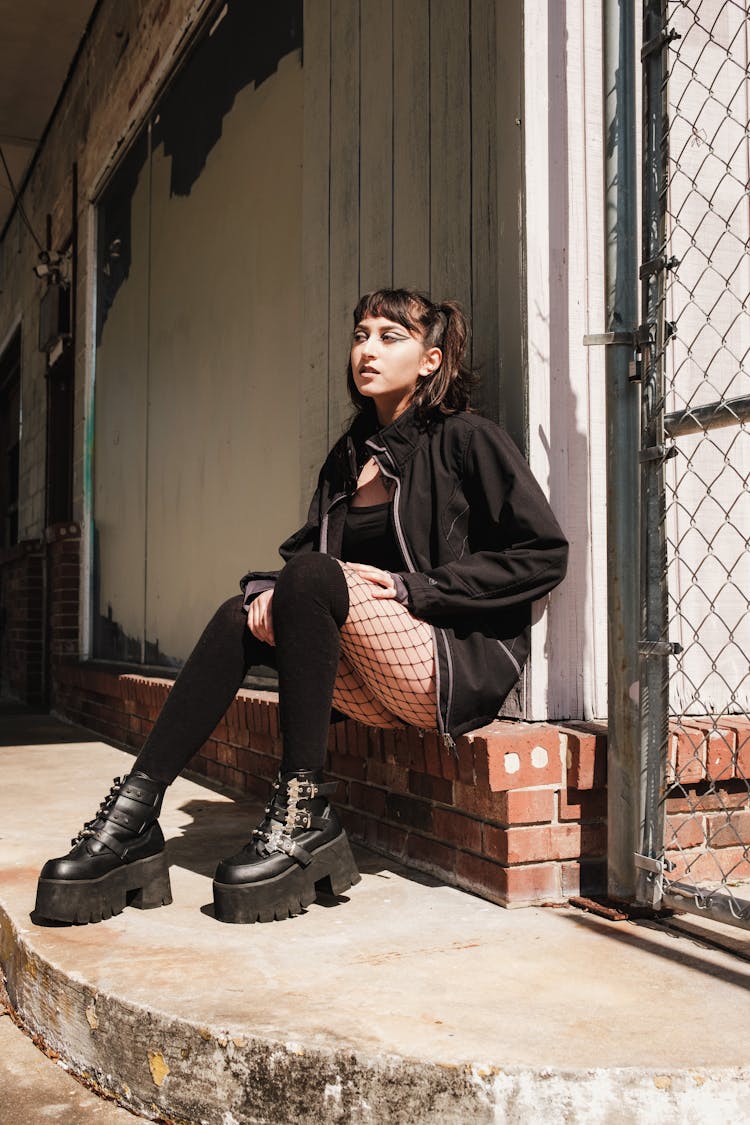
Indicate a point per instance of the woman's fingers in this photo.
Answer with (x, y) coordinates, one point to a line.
(384, 586)
(260, 617)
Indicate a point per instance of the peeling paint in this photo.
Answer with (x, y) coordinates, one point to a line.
(663, 1082)
(158, 1067)
(91, 1016)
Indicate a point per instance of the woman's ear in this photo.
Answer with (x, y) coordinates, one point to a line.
(431, 360)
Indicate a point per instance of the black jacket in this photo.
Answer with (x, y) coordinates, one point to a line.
(479, 544)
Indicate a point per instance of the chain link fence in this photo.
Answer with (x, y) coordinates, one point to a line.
(698, 410)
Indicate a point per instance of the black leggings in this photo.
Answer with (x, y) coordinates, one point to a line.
(310, 605)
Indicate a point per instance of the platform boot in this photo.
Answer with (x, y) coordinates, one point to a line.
(298, 849)
(117, 859)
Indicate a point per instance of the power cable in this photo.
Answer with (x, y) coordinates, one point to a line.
(17, 201)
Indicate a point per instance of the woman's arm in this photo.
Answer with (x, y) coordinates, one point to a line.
(523, 554)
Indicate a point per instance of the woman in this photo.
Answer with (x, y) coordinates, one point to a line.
(405, 598)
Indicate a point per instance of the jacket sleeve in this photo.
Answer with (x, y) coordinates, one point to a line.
(515, 552)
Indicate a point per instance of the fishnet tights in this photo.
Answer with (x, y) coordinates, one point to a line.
(386, 675)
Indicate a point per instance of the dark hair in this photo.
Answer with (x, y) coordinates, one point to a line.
(443, 326)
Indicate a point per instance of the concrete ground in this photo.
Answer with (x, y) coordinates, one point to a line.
(403, 1001)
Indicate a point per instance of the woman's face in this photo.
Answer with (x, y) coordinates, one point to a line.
(388, 362)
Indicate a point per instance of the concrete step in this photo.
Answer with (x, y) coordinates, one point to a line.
(403, 1001)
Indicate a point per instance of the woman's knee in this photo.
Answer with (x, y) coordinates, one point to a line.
(313, 577)
(230, 612)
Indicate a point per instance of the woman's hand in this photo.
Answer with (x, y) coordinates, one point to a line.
(382, 581)
(260, 618)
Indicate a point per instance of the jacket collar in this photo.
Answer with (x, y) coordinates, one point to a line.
(400, 438)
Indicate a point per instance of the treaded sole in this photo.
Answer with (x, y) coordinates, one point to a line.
(332, 871)
(143, 884)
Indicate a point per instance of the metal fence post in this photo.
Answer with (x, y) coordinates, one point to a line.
(654, 648)
(622, 406)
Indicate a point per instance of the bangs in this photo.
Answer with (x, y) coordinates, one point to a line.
(397, 305)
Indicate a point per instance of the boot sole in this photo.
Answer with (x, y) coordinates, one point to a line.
(143, 884)
(332, 871)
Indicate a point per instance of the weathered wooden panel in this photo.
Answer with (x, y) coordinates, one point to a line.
(344, 197)
(484, 264)
(450, 151)
(316, 155)
(376, 141)
(411, 144)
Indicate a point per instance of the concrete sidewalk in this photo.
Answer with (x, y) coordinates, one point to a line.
(405, 1001)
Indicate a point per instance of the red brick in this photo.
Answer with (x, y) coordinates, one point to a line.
(739, 728)
(368, 798)
(385, 837)
(593, 840)
(585, 755)
(583, 804)
(388, 775)
(731, 795)
(720, 758)
(535, 883)
(587, 878)
(534, 844)
(465, 750)
(687, 755)
(724, 830)
(683, 832)
(432, 753)
(711, 866)
(429, 855)
(481, 876)
(453, 828)
(415, 750)
(479, 801)
(527, 806)
(346, 765)
(409, 811)
(432, 788)
(522, 755)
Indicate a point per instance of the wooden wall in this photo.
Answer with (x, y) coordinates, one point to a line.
(405, 112)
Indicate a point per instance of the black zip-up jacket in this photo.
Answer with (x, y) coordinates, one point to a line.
(479, 544)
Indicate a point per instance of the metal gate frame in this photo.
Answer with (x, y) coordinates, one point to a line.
(659, 433)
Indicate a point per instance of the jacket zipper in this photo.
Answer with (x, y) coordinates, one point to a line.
(324, 522)
(442, 719)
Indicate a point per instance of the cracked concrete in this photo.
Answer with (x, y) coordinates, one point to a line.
(403, 1001)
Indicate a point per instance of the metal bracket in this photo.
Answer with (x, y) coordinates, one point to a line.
(658, 453)
(608, 339)
(654, 866)
(656, 265)
(659, 42)
(660, 648)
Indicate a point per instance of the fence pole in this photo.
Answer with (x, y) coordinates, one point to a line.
(654, 648)
(622, 413)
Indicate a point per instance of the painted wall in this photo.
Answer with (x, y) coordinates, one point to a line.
(564, 295)
(196, 473)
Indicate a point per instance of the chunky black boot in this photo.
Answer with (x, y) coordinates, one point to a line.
(299, 847)
(117, 859)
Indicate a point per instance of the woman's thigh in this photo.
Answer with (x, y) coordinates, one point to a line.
(391, 653)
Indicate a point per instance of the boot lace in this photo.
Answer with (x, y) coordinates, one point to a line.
(90, 827)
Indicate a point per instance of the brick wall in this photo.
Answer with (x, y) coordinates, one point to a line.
(22, 621)
(517, 816)
(63, 583)
(708, 804)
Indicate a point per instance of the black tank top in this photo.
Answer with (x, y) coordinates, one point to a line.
(369, 537)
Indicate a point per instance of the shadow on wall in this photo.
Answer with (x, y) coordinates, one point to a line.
(245, 45)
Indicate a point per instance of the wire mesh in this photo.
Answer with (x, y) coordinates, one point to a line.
(707, 419)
